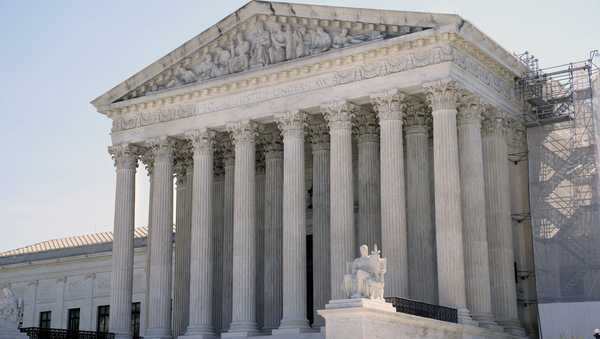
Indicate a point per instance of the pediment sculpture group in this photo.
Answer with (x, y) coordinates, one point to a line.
(262, 44)
(364, 276)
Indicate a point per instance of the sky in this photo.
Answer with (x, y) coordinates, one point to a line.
(56, 177)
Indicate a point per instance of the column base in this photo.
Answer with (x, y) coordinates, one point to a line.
(201, 332)
(486, 320)
(198, 336)
(122, 336)
(242, 329)
(464, 317)
(513, 327)
(158, 333)
(293, 326)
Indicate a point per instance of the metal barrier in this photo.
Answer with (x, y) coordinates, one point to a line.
(56, 333)
(425, 310)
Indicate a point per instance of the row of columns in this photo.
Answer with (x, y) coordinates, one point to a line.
(471, 206)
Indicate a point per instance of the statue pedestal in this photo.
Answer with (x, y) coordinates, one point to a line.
(8, 330)
(369, 319)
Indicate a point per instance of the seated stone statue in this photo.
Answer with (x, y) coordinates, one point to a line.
(365, 275)
(10, 314)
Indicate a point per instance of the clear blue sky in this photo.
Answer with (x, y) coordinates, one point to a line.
(57, 179)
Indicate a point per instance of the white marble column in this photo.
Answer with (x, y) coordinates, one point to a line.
(294, 319)
(161, 255)
(393, 203)
(477, 270)
(218, 196)
(148, 160)
(499, 224)
(183, 222)
(319, 138)
(126, 158)
(339, 117)
(260, 231)
(369, 210)
(443, 97)
(243, 320)
(273, 282)
(229, 178)
(422, 266)
(201, 259)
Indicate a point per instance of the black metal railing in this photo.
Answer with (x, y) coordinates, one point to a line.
(425, 310)
(56, 333)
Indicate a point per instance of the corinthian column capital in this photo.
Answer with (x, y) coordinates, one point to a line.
(495, 122)
(442, 94)
(388, 104)
(470, 109)
(202, 141)
(366, 125)
(161, 148)
(243, 131)
(273, 142)
(339, 114)
(182, 158)
(416, 112)
(318, 134)
(291, 122)
(124, 155)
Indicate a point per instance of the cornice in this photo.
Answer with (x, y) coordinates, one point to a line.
(352, 64)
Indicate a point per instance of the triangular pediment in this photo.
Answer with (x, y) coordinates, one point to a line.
(262, 34)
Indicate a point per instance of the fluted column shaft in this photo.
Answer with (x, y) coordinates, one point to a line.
(148, 159)
(499, 223)
(320, 220)
(243, 321)
(161, 255)
(473, 207)
(183, 223)
(448, 213)
(201, 263)
(260, 237)
(122, 258)
(421, 230)
(218, 194)
(339, 115)
(273, 282)
(369, 211)
(294, 319)
(393, 204)
(229, 163)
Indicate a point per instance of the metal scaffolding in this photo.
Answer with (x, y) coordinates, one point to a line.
(563, 178)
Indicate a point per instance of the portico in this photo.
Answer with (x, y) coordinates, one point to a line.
(312, 120)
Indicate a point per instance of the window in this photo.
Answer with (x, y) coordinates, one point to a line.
(135, 320)
(45, 319)
(73, 324)
(103, 318)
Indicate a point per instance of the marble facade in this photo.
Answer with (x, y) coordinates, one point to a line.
(271, 105)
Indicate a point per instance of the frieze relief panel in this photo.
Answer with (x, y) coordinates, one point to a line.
(390, 64)
(264, 40)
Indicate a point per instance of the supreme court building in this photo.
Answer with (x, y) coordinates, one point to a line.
(291, 134)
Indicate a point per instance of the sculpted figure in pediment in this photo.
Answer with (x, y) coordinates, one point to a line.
(340, 39)
(261, 41)
(204, 69)
(240, 51)
(321, 41)
(222, 57)
(277, 51)
(182, 75)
